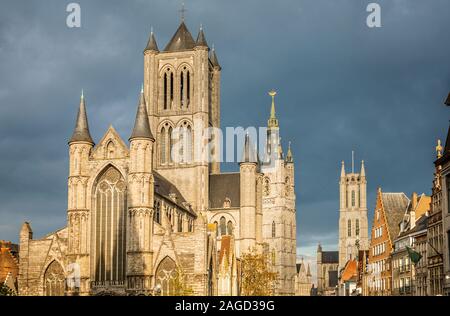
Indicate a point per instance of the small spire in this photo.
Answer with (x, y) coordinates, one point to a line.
(151, 44)
(81, 132)
(439, 149)
(273, 121)
(363, 169)
(280, 149)
(249, 154)
(141, 125)
(142, 89)
(353, 161)
(342, 170)
(289, 156)
(214, 60)
(201, 39)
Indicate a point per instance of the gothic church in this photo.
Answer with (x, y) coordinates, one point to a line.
(141, 214)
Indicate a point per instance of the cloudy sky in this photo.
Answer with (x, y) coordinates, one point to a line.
(341, 86)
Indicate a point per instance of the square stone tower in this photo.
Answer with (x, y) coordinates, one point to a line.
(353, 226)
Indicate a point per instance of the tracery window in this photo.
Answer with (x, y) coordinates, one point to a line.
(165, 277)
(54, 280)
(109, 220)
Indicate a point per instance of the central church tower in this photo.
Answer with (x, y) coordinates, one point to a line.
(353, 227)
(181, 85)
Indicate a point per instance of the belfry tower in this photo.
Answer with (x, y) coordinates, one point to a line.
(353, 227)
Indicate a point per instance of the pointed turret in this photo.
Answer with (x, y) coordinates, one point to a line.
(201, 39)
(81, 132)
(363, 170)
(214, 60)
(308, 271)
(181, 40)
(273, 121)
(141, 125)
(342, 170)
(289, 156)
(249, 154)
(319, 248)
(151, 44)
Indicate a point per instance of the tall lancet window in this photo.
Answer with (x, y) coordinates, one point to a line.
(168, 89)
(170, 142)
(353, 198)
(165, 91)
(349, 228)
(185, 88)
(273, 229)
(109, 203)
(163, 146)
(357, 228)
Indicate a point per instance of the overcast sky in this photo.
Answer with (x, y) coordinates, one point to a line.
(341, 86)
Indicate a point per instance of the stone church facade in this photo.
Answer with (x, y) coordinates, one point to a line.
(146, 216)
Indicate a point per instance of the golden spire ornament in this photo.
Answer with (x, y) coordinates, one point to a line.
(439, 149)
(273, 122)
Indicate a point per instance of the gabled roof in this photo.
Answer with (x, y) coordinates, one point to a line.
(223, 186)
(181, 40)
(394, 205)
(350, 271)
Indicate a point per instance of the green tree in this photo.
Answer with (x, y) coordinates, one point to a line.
(180, 286)
(258, 278)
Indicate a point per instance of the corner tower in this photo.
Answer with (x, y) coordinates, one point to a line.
(353, 226)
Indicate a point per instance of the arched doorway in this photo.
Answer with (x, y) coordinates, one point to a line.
(165, 276)
(54, 280)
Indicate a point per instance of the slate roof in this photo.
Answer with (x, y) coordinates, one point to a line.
(141, 125)
(330, 257)
(181, 40)
(394, 205)
(81, 131)
(164, 188)
(222, 186)
(151, 44)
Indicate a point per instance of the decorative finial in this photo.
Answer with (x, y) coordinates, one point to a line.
(273, 122)
(142, 88)
(353, 161)
(82, 94)
(439, 149)
(151, 30)
(201, 26)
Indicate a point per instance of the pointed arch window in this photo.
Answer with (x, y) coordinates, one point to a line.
(180, 222)
(54, 280)
(185, 88)
(223, 226)
(158, 212)
(165, 277)
(168, 89)
(357, 227)
(217, 228)
(170, 142)
(230, 228)
(353, 198)
(109, 220)
(163, 146)
(266, 187)
(273, 229)
(349, 228)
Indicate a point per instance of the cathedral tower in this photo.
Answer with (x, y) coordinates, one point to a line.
(353, 226)
(182, 87)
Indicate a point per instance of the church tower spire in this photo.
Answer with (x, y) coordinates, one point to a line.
(81, 132)
(141, 125)
(273, 121)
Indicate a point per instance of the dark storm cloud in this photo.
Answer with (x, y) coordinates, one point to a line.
(342, 87)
